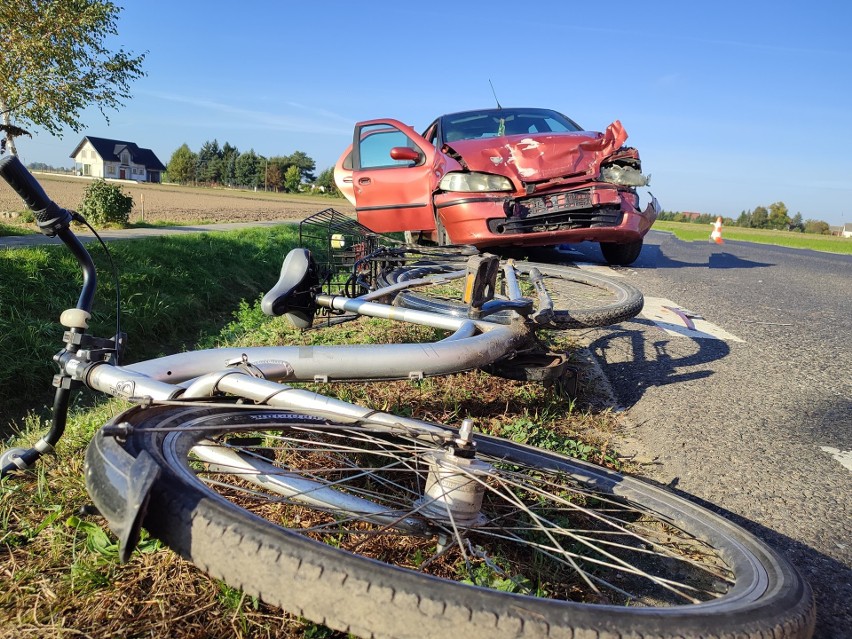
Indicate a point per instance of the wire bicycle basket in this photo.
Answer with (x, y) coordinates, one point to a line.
(341, 247)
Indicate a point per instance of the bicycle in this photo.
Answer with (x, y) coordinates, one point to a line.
(390, 526)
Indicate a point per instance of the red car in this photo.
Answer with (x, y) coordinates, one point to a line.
(499, 177)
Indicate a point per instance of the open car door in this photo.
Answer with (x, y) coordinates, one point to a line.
(393, 177)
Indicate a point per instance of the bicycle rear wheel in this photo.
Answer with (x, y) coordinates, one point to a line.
(581, 299)
(338, 523)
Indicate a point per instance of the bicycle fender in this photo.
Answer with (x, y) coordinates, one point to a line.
(120, 486)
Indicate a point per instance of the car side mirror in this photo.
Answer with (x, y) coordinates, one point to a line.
(405, 153)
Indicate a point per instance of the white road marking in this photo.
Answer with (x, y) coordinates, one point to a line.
(673, 324)
(843, 456)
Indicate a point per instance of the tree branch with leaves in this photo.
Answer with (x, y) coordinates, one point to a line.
(55, 62)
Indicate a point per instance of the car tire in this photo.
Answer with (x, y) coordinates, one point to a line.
(621, 254)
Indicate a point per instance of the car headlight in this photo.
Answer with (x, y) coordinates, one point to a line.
(624, 175)
(475, 182)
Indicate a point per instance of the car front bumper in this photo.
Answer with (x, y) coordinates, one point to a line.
(603, 214)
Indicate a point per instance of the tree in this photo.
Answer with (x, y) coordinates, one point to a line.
(778, 218)
(210, 162)
(760, 218)
(181, 168)
(229, 163)
(276, 167)
(744, 219)
(796, 223)
(54, 63)
(817, 226)
(306, 165)
(273, 179)
(326, 182)
(293, 179)
(247, 170)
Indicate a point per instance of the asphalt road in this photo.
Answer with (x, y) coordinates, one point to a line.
(759, 428)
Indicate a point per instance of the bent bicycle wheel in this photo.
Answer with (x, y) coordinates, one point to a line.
(580, 298)
(344, 525)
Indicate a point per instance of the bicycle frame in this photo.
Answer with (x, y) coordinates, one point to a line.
(472, 344)
(253, 374)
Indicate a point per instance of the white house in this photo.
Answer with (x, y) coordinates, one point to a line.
(104, 158)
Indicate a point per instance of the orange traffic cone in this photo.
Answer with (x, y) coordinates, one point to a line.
(716, 235)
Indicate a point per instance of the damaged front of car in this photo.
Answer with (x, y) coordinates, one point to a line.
(535, 189)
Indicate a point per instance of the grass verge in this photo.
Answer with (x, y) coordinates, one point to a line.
(13, 230)
(695, 232)
(59, 575)
(175, 289)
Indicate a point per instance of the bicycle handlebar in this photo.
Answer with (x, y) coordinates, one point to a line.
(51, 218)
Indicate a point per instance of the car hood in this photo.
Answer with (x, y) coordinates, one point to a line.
(542, 156)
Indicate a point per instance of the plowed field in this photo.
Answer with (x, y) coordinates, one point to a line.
(184, 204)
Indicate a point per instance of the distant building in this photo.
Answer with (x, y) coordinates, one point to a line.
(104, 158)
(689, 215)
(844, 230)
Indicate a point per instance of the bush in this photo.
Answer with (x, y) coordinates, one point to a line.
(104, 204)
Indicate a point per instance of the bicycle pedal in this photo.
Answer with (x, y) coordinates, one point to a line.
(481, 279)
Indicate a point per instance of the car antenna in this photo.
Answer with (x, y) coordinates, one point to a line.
(495, 94)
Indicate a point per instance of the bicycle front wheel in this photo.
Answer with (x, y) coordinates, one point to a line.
(581, 299)
(343, 524)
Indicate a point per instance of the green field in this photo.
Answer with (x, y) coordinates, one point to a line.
(696, 232)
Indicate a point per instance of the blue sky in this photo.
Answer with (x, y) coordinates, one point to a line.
(732, 105)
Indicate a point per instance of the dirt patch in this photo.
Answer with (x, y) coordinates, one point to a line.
(184, 204)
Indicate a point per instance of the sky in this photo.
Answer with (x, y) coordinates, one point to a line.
(732, 105)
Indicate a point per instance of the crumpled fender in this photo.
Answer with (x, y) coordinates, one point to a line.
(613, 138)
(542, 156)
(120, 486)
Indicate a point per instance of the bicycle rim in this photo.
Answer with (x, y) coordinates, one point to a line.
(580, 298)
(553, 535)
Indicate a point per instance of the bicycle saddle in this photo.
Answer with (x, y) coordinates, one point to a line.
(294, 295)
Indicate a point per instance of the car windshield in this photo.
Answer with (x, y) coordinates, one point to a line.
(491, 123)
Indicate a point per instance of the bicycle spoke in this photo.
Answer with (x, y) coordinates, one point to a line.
(539, 530)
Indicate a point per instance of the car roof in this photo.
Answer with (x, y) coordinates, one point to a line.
(498, 110)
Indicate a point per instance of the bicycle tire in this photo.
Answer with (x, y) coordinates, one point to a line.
(251, 547)
(581, 299)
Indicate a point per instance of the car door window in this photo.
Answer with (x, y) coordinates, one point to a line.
(376, 144)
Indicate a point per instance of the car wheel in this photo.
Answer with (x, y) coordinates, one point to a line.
(621, 254)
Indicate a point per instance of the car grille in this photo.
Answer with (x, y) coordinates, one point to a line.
(553, 203)
(583, 219)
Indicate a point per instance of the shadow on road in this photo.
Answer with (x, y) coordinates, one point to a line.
(830, 579)
(633, 362)
(652, 256)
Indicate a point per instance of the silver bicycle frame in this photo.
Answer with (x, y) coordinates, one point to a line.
(473, 343)
(198, 374)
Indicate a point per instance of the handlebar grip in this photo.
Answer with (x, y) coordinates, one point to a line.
(50, 217)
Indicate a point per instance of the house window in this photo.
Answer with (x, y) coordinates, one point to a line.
(87, 169)
(110, 169)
